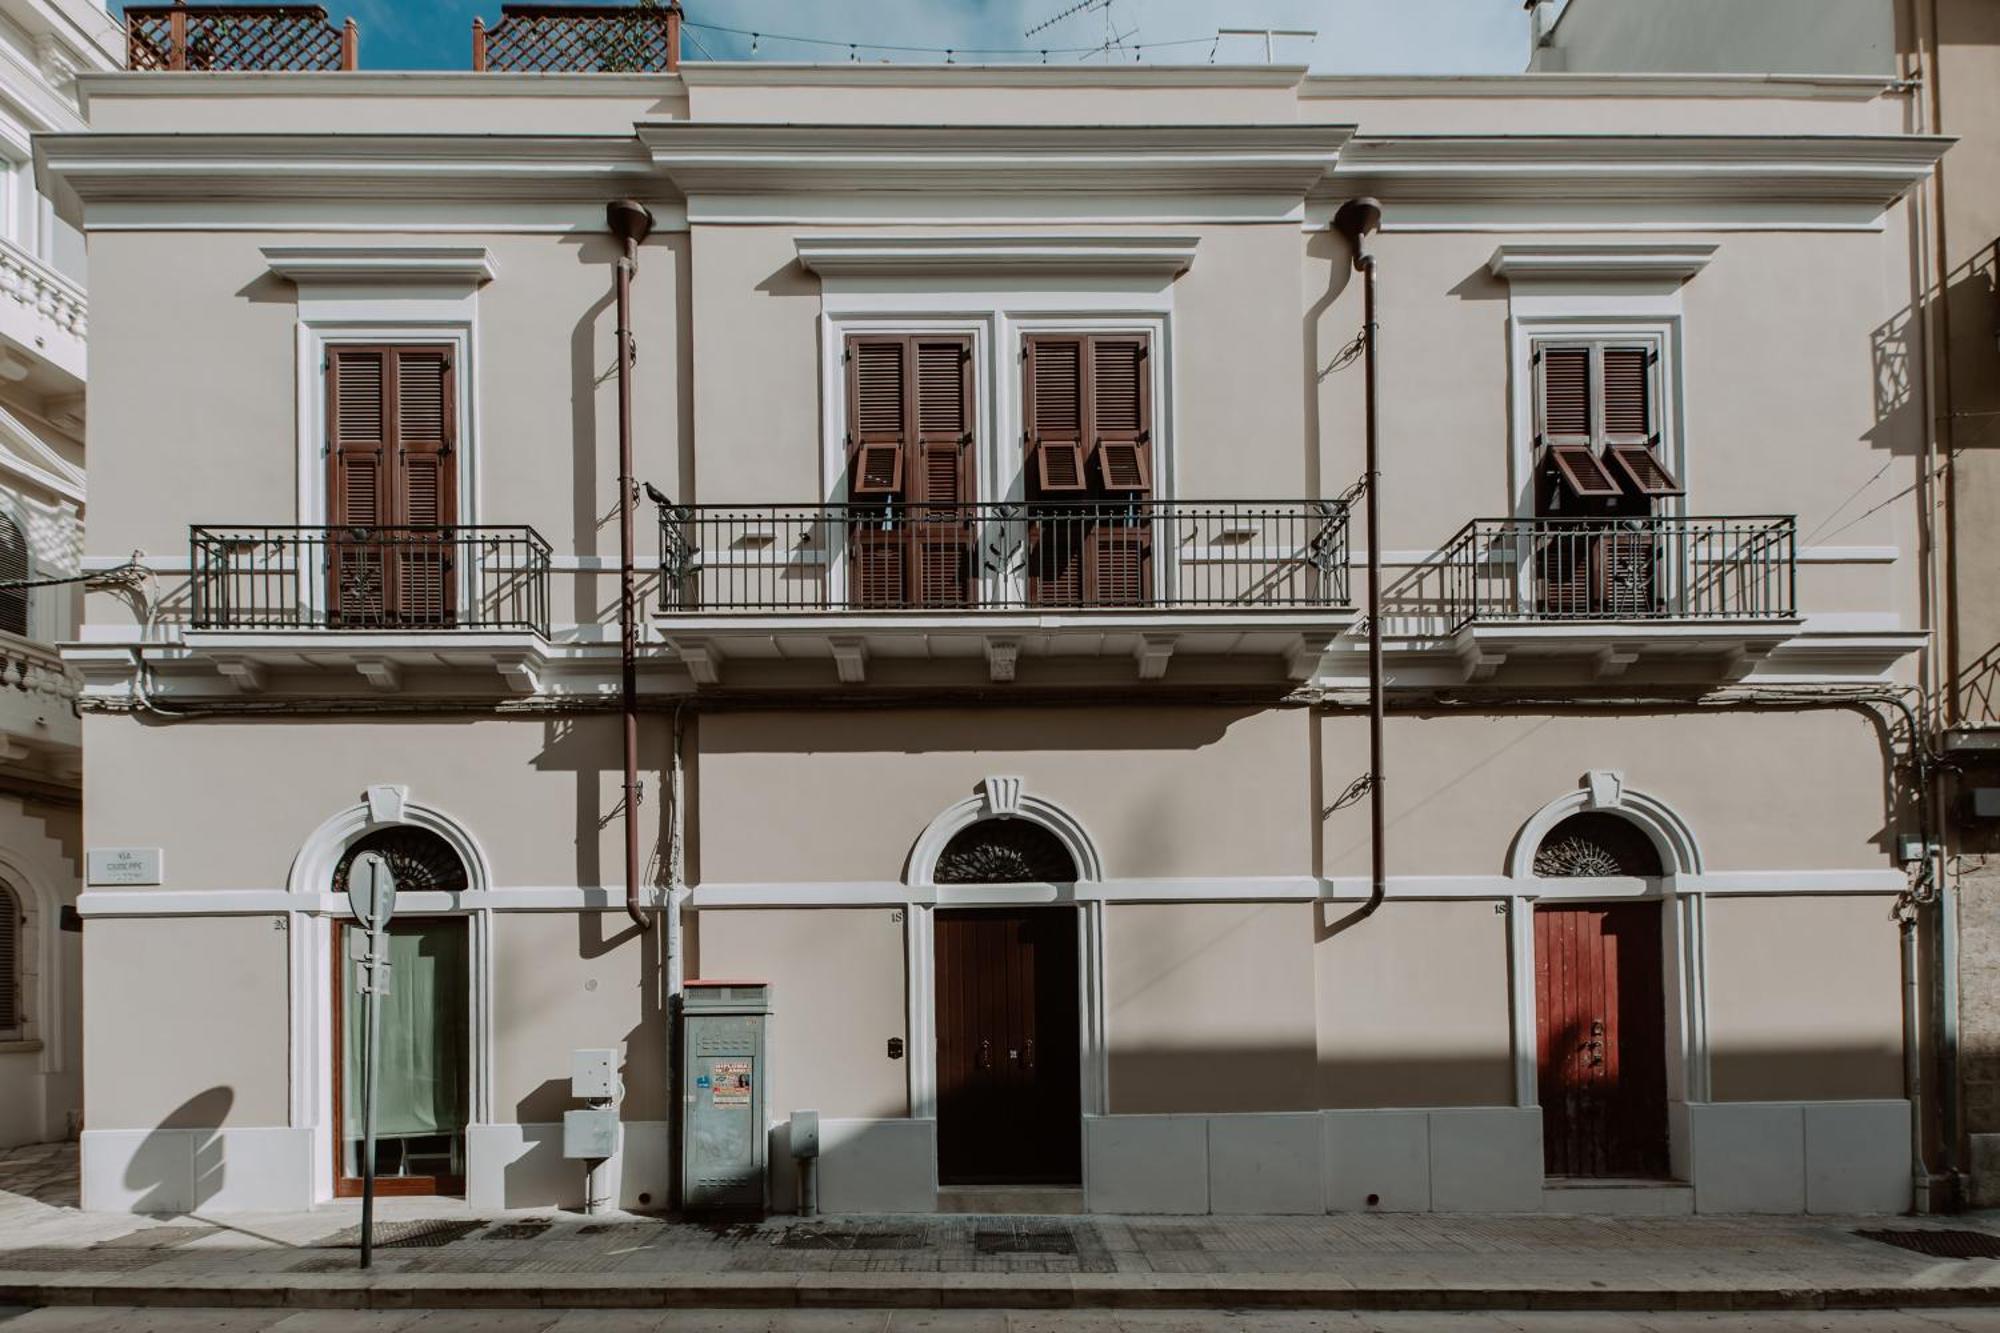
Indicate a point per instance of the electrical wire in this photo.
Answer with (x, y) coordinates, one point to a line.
(760, 36)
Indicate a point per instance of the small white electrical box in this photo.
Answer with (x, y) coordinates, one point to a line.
(805, 1133)
(593, 1075)
(590, 1135)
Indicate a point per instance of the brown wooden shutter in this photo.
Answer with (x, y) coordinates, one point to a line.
(1121, 403)
(1562, 394)
(1053, 375)
(1582, 471)
(424, 424)
(360, 501)
(878, 415)
(1628, 395)
(942, 531)
(1640, 468)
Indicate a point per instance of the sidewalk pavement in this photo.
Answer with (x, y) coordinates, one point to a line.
(436, 1254)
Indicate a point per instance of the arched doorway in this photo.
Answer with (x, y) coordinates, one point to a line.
(1600, 1003)
(1008, 1073)
(423, 1093)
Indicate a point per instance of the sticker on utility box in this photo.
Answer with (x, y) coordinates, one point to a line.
(731, 1083)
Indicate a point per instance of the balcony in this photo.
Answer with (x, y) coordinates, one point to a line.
(374, 600)
(44, 321)
(1614, 591)
(892, 582)
(39, 724)
(565, 38)
(292, 38)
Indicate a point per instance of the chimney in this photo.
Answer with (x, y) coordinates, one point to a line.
(1542, 53)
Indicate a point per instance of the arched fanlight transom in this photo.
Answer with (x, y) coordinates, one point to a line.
(421, 861)
(1005, 851)
(1594, 843)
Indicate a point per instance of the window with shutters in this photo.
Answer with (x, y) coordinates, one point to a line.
(911, 459)
(1087, 414)
(1601, 473)
(392, 492)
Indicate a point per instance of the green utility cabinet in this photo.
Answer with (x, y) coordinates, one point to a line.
(723, 1134)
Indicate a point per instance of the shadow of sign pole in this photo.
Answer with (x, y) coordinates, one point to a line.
(371, 892)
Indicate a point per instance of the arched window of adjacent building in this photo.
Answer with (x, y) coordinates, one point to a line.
(1593, 843)
(13, 930)
(15, 569)
(423, 1092)
(1005, 851)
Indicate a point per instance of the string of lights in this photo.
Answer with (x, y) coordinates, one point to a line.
(855, 49)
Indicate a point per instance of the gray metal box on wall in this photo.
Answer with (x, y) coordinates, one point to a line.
(723, 1134)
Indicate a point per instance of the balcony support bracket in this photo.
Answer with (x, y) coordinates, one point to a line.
(1609, 662)
(380, 673)
(1478, 661)
(1002, 658)
(701, 658)
(520, 674)
(850, 659)
(245, 675)
(1153, 653)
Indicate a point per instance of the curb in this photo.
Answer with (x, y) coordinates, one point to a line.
(1136, 1291)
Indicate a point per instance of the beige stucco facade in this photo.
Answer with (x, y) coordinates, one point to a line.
(817, 773)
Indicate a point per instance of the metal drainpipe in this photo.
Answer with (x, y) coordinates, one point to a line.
(631, 223)
(1357, 220)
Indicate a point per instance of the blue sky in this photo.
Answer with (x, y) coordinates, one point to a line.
(1359, 36)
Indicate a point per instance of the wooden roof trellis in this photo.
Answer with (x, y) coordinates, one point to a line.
(296, 38)
(580, 38)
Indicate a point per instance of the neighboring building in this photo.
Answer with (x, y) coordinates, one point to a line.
(1938, 365)
(1003, 684)
(43, 46)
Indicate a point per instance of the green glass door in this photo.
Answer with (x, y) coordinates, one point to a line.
(425, 1068)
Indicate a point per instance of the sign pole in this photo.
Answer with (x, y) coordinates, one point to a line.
(371, 892)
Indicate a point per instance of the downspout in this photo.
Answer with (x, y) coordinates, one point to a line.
(630, 223)
(1357, 220)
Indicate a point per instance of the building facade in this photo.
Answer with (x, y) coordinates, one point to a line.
(44, 44)
(1002, 684)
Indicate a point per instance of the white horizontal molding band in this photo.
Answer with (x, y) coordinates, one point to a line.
(893, 893)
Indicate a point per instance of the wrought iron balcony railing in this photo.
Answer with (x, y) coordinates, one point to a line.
(294, 38)
(1577, 569)
(1026, 555)
(382, 579)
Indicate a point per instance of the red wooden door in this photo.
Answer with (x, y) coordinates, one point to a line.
(1008, 1085)
(1601, 1039)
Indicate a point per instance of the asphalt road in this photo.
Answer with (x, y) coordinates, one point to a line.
(866, 1321)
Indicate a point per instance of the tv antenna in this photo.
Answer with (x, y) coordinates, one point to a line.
(1081, 7)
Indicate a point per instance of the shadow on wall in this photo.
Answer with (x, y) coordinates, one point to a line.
(193, 1126)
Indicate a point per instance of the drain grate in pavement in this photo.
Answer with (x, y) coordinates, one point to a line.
(527, 1230)
(1023, 1242)
(403, 1235)
(1941, 1244)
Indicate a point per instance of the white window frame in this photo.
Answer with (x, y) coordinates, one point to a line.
(1663, 335)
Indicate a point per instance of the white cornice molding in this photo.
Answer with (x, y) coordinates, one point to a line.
(1610, 261)
(880, 256)
(469, 264)
(1818, 87)
(371, 83)
(1284, 160)
(846, 74)
(1873, 170)
(80, 171)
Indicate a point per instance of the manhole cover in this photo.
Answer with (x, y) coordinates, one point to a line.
(1941, 1244)
(403, 1235)
(517, 1230)
(1023, 1242)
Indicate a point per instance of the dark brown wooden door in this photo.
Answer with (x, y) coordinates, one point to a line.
(1008, 1087)
(1601, 1039)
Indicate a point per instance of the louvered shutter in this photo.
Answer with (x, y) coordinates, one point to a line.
(1628, 394)
(15, 567)
(10, 960)
(941, 489)
(425, 427)
(878, 415)
(1053, 374)
(1562, 394)
(360, 499)
(1121, 415)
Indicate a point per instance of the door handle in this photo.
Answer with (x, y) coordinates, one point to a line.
(1029, 1051)
(986, 1055)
